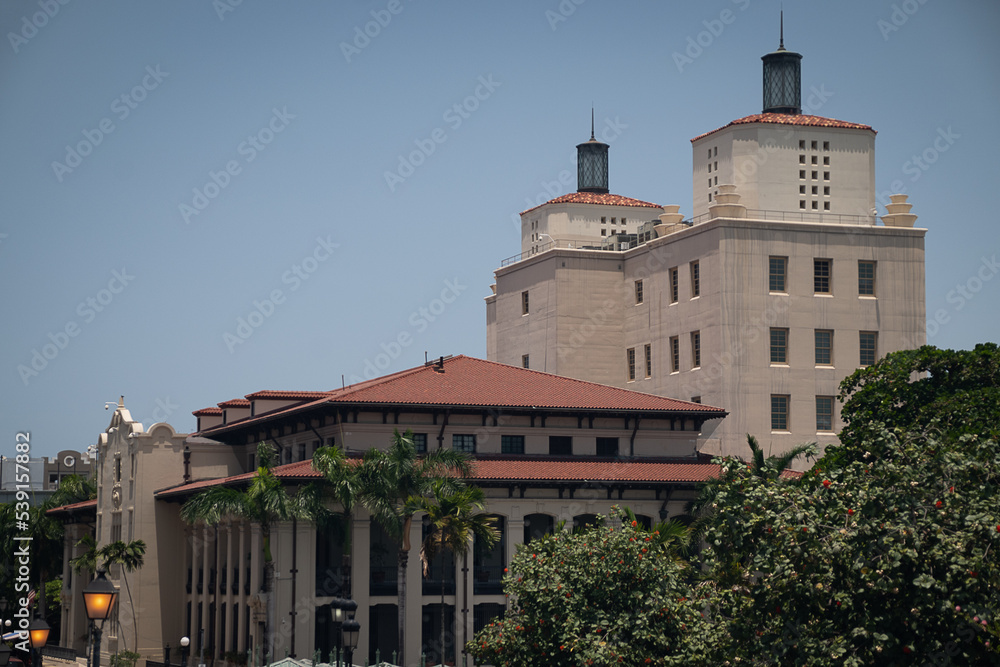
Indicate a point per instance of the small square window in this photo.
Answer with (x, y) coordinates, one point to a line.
(614, 231)
(802, 144)
(815, 175)
(815, 159)
(826, 145)
(826, 190)
(709, 153)
(802, 203)
(779, 412)
(824, 413)
(464, 442)
(815, 205)
(560, 445)
(710, 167)
(802, 173)
(614, 221)
(716, 150)
(802, 159)
(512, 444)
(815, 189)
(802, 189)
(524, 302)
(716, 178)
(716, 166)
(826, 176)
(607, 446)
(709, 196)
(696, 399)
(826, 206)
(709, 181)
(826, 160)
(420, 442)
(604, 220)
(623, 221)
(604, 232)
(813, 145)
(630, 363)
(525, 361)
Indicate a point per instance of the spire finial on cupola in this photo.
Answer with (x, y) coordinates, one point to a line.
(592, 163)
(782, 78)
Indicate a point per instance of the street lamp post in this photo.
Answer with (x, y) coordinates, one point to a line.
(99, 597)
(185, 642)
(38, 636)
(351, 630)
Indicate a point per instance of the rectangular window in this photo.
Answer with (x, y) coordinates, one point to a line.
(560, 445)
(630, 360)
(464, 442)
(420, 442)
(607, 446)
(812, 145)
(822, 270)
(826, 145)
(675, 354)
(674, 287)
(824, 347)
(696, 399)
(815, 175)
(648, 349)
(866, 278)
(826, 176)
(802, 173)
(779, 346)
(524, 302)
(638, 291)
(512, 444)
(696, 349)
(869, 347)
(824, 413)
(777, 274)
(802, 144)
(525, 360)
(779, 412)
(695, 279)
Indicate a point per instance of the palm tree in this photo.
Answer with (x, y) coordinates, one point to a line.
(343, 483)
(264, 502)
(388, 480)
(129, 556)
(455, 519)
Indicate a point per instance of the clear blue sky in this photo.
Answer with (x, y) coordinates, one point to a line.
(299, 119)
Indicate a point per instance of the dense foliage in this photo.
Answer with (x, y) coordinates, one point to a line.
(884, 553)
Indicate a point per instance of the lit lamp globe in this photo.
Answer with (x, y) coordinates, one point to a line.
(99, 596)
(38, 633)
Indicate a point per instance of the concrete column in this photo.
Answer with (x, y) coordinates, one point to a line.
(205, 549)
(195, 543)
(414, 597)
(360, 576)
(240, 564)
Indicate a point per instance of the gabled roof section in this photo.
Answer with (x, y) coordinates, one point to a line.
(235, 403)
(789, 119)
(287, 395)
(204, 412)
(82, 507)
(595, 198)
(463, 381)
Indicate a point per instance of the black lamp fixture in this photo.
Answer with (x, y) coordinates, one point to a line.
(185, 642)
(99, 597)
(351, 630)
(38, 636)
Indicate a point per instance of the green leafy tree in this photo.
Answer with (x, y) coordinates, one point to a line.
(455, 518)
(953, 392)
(601, 596)
(388, 481)
(264, 502)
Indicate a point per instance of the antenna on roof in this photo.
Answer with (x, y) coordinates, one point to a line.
(342, 385)
(425, 357)
(592, 123)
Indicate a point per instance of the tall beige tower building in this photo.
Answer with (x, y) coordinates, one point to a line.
(780, 284)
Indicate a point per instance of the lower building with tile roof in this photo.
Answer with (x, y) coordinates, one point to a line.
(550, 453)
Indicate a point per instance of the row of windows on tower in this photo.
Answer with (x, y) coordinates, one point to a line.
(673, 278)
(559, 445)
(777, 280)
(779, 351)
(781, 417)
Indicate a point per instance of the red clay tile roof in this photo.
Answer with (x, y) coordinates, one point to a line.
(82, 505)
(470, 382)
(287, 395)
(235, 403)
(789, 119)
(207, 411)
(506, 469)
(595, 198)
